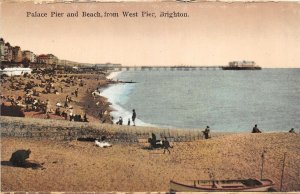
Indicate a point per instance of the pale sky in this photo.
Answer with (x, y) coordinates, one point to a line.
(213, 34)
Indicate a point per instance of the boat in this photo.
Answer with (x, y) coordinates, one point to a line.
(222, 185)
(241, 65)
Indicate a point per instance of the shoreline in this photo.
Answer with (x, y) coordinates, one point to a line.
(113, 93)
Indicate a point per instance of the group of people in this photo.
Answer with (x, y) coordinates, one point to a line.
(133, 117)
(257, 130)
(206, 132)
(154, 143)
(41, 82)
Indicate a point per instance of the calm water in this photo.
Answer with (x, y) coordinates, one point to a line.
(224, 100)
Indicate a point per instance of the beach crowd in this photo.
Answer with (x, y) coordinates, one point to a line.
(46, 94)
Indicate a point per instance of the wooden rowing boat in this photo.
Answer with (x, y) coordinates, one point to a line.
(222, 185)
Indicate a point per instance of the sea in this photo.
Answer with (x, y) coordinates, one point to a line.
(227, 101)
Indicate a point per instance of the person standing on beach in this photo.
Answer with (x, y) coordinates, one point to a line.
(206, 132)
(76, 92)
(128, 122)
(133, 117)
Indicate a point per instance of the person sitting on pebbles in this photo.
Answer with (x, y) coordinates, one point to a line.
(292, 130)
(255, 129)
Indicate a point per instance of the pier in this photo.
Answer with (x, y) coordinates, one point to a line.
(165, 68)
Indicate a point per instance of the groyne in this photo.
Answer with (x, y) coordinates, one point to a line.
(65, 130)
(55, 129)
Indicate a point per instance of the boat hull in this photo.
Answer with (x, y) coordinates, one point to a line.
(179, 187)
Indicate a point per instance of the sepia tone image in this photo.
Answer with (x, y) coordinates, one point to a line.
(177, 96)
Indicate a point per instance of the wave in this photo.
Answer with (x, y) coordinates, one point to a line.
(113, 74)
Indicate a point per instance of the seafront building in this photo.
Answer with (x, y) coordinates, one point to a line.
(8, 53)
(17, 54)
(49, 59)
(1, 49)
(28, 55)
(13, 54)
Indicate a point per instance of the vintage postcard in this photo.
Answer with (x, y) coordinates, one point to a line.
(150, 96)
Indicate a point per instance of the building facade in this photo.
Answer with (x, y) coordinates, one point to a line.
(48, 59)
(2, 49)
(14, 54)
(8, 52)
(29, 56)
(17, 54)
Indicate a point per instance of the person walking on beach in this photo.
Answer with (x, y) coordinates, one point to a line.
(255, 129)
(133, 117)
(166, 145)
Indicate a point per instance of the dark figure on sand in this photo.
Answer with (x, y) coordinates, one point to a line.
(18, 158)
(65, 115)
(206, 132)
(154, 143)
(292, 130)
(128, 123)
(133, 117)
(255, 129)
(166, 145)
(76, 92)
(66, 104)
(85, 118)
(120, 122)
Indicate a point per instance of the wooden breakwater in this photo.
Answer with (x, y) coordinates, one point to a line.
(66, 130)
(55, 129)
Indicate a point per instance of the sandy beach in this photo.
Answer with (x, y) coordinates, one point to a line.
(81, 166)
